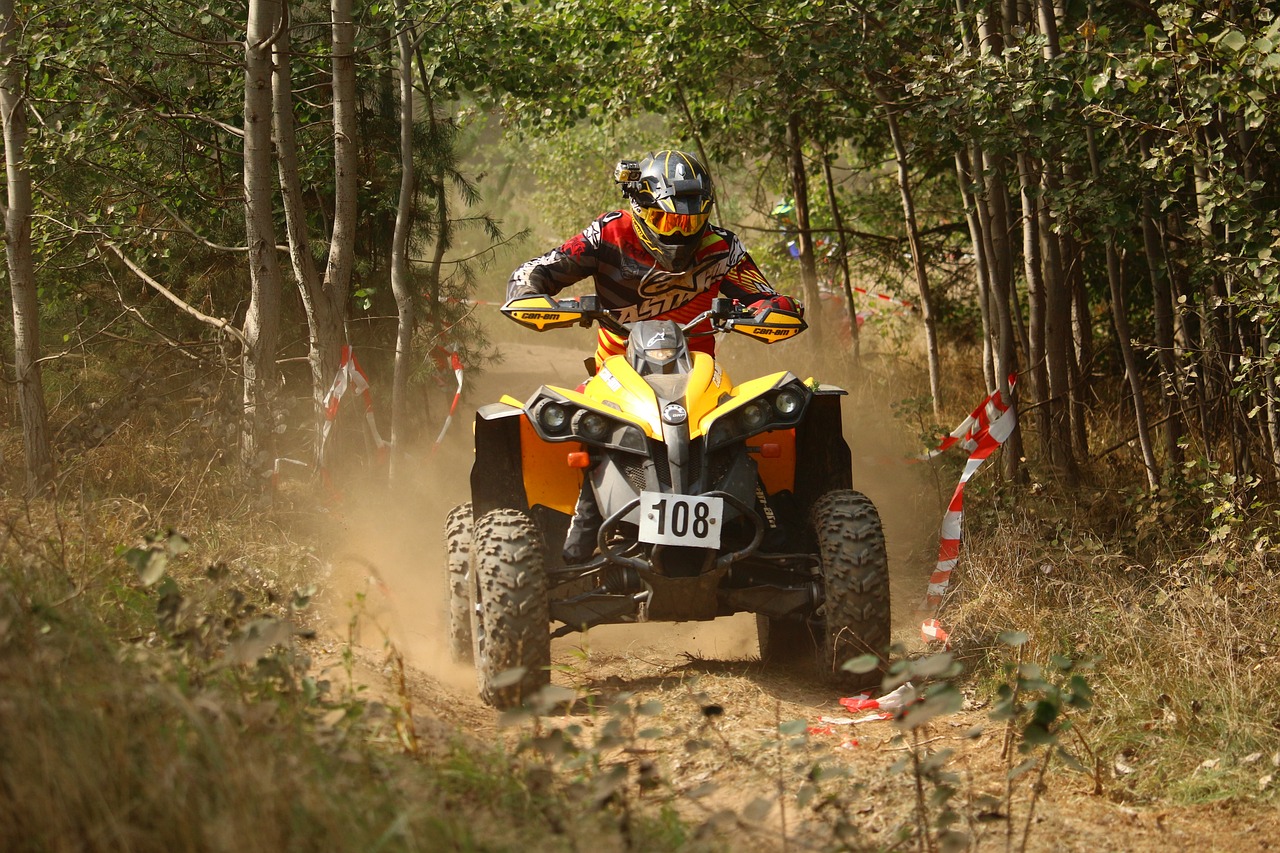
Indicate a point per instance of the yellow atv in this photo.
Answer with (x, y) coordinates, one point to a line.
(713, 499)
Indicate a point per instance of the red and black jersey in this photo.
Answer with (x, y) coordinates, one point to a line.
(628, 280)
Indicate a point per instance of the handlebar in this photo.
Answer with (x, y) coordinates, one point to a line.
(542, 312)
(722, 313)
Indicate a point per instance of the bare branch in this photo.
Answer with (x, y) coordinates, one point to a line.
(216, 322)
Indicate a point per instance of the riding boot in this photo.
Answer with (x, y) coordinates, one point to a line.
(584, 528)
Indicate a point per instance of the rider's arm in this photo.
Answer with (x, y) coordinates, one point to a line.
(559, 268)
(745, 283)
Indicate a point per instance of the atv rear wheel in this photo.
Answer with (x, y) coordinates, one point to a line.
(457, 538)
(510, 622)
(854, 617)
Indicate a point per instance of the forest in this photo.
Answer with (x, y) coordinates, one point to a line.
(213, 207)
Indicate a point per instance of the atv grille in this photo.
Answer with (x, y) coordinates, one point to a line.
(694, 468)
(661, 463)
(634, 472)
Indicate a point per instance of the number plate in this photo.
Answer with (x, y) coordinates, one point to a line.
(681, 520)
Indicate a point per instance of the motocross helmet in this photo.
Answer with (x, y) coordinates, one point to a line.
(671, 198)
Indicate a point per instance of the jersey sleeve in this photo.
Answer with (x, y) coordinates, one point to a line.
(577, 259)
(744, 281)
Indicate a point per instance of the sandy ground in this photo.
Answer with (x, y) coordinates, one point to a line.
(725, 770)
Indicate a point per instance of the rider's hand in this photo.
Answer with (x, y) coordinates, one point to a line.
(782, 303)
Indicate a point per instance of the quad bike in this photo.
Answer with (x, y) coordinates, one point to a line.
(715, 498)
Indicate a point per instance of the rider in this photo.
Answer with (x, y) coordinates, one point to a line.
(658, 258)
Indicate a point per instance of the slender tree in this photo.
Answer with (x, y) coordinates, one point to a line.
(855, 338)
(400, 274)
(22, 280)
(918, 262)
(323, 301)
(337, 276)
(261, 325)
(800, 192)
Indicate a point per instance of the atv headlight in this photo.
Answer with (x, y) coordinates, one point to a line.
(754, 415)
(787, 404)
(603, 431)
(592, 426)
(779, 408)
(665, 354)
(553, 417)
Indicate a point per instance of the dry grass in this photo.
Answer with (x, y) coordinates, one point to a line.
(1184, 640)
(185, 716)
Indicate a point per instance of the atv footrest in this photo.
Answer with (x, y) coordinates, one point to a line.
(598, 608)
(774, 601)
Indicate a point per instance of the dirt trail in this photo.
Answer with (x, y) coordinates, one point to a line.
(719, 710)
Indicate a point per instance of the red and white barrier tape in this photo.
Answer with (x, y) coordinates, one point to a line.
(884, 708)
(981, 433)
(350, 377)
(931, 631)
(455, 362)
(457, 300)
(884, 297)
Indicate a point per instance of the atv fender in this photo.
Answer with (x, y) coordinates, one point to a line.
(497, 481)
(825, 463)
(515, 469)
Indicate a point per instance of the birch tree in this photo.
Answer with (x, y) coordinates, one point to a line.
(261, 325)
(38, 453)
(324, 302)
(400, 277)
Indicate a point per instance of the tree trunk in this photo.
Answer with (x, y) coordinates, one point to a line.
(1033, 270)
(1163, 312)
(991, 201)
(993, 215)
(1272, 391)
(400, 284)
(917, 251)
(1068, 316)
(1081, 363)
(323, 308)
(1059, 341)
(838, 221)
(1120, 316)
(261, 324)
(982, 278)
(443, 227)
(808, 267)
(37, 450)
(342, 243)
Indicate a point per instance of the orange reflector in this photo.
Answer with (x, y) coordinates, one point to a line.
(579, 459)
(770, 450)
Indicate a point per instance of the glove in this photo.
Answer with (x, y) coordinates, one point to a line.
(782, 303)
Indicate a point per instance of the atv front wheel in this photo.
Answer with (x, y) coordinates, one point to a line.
(854, 617)
(510, 622)
(457, 538)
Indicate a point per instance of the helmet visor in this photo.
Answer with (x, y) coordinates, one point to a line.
(674, 224)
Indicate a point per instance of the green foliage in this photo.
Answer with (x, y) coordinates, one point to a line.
(1032, 702)
(152, 559)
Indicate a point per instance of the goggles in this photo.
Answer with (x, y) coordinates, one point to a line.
(670, 224)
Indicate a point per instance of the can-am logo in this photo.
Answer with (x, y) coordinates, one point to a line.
(674, 413)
